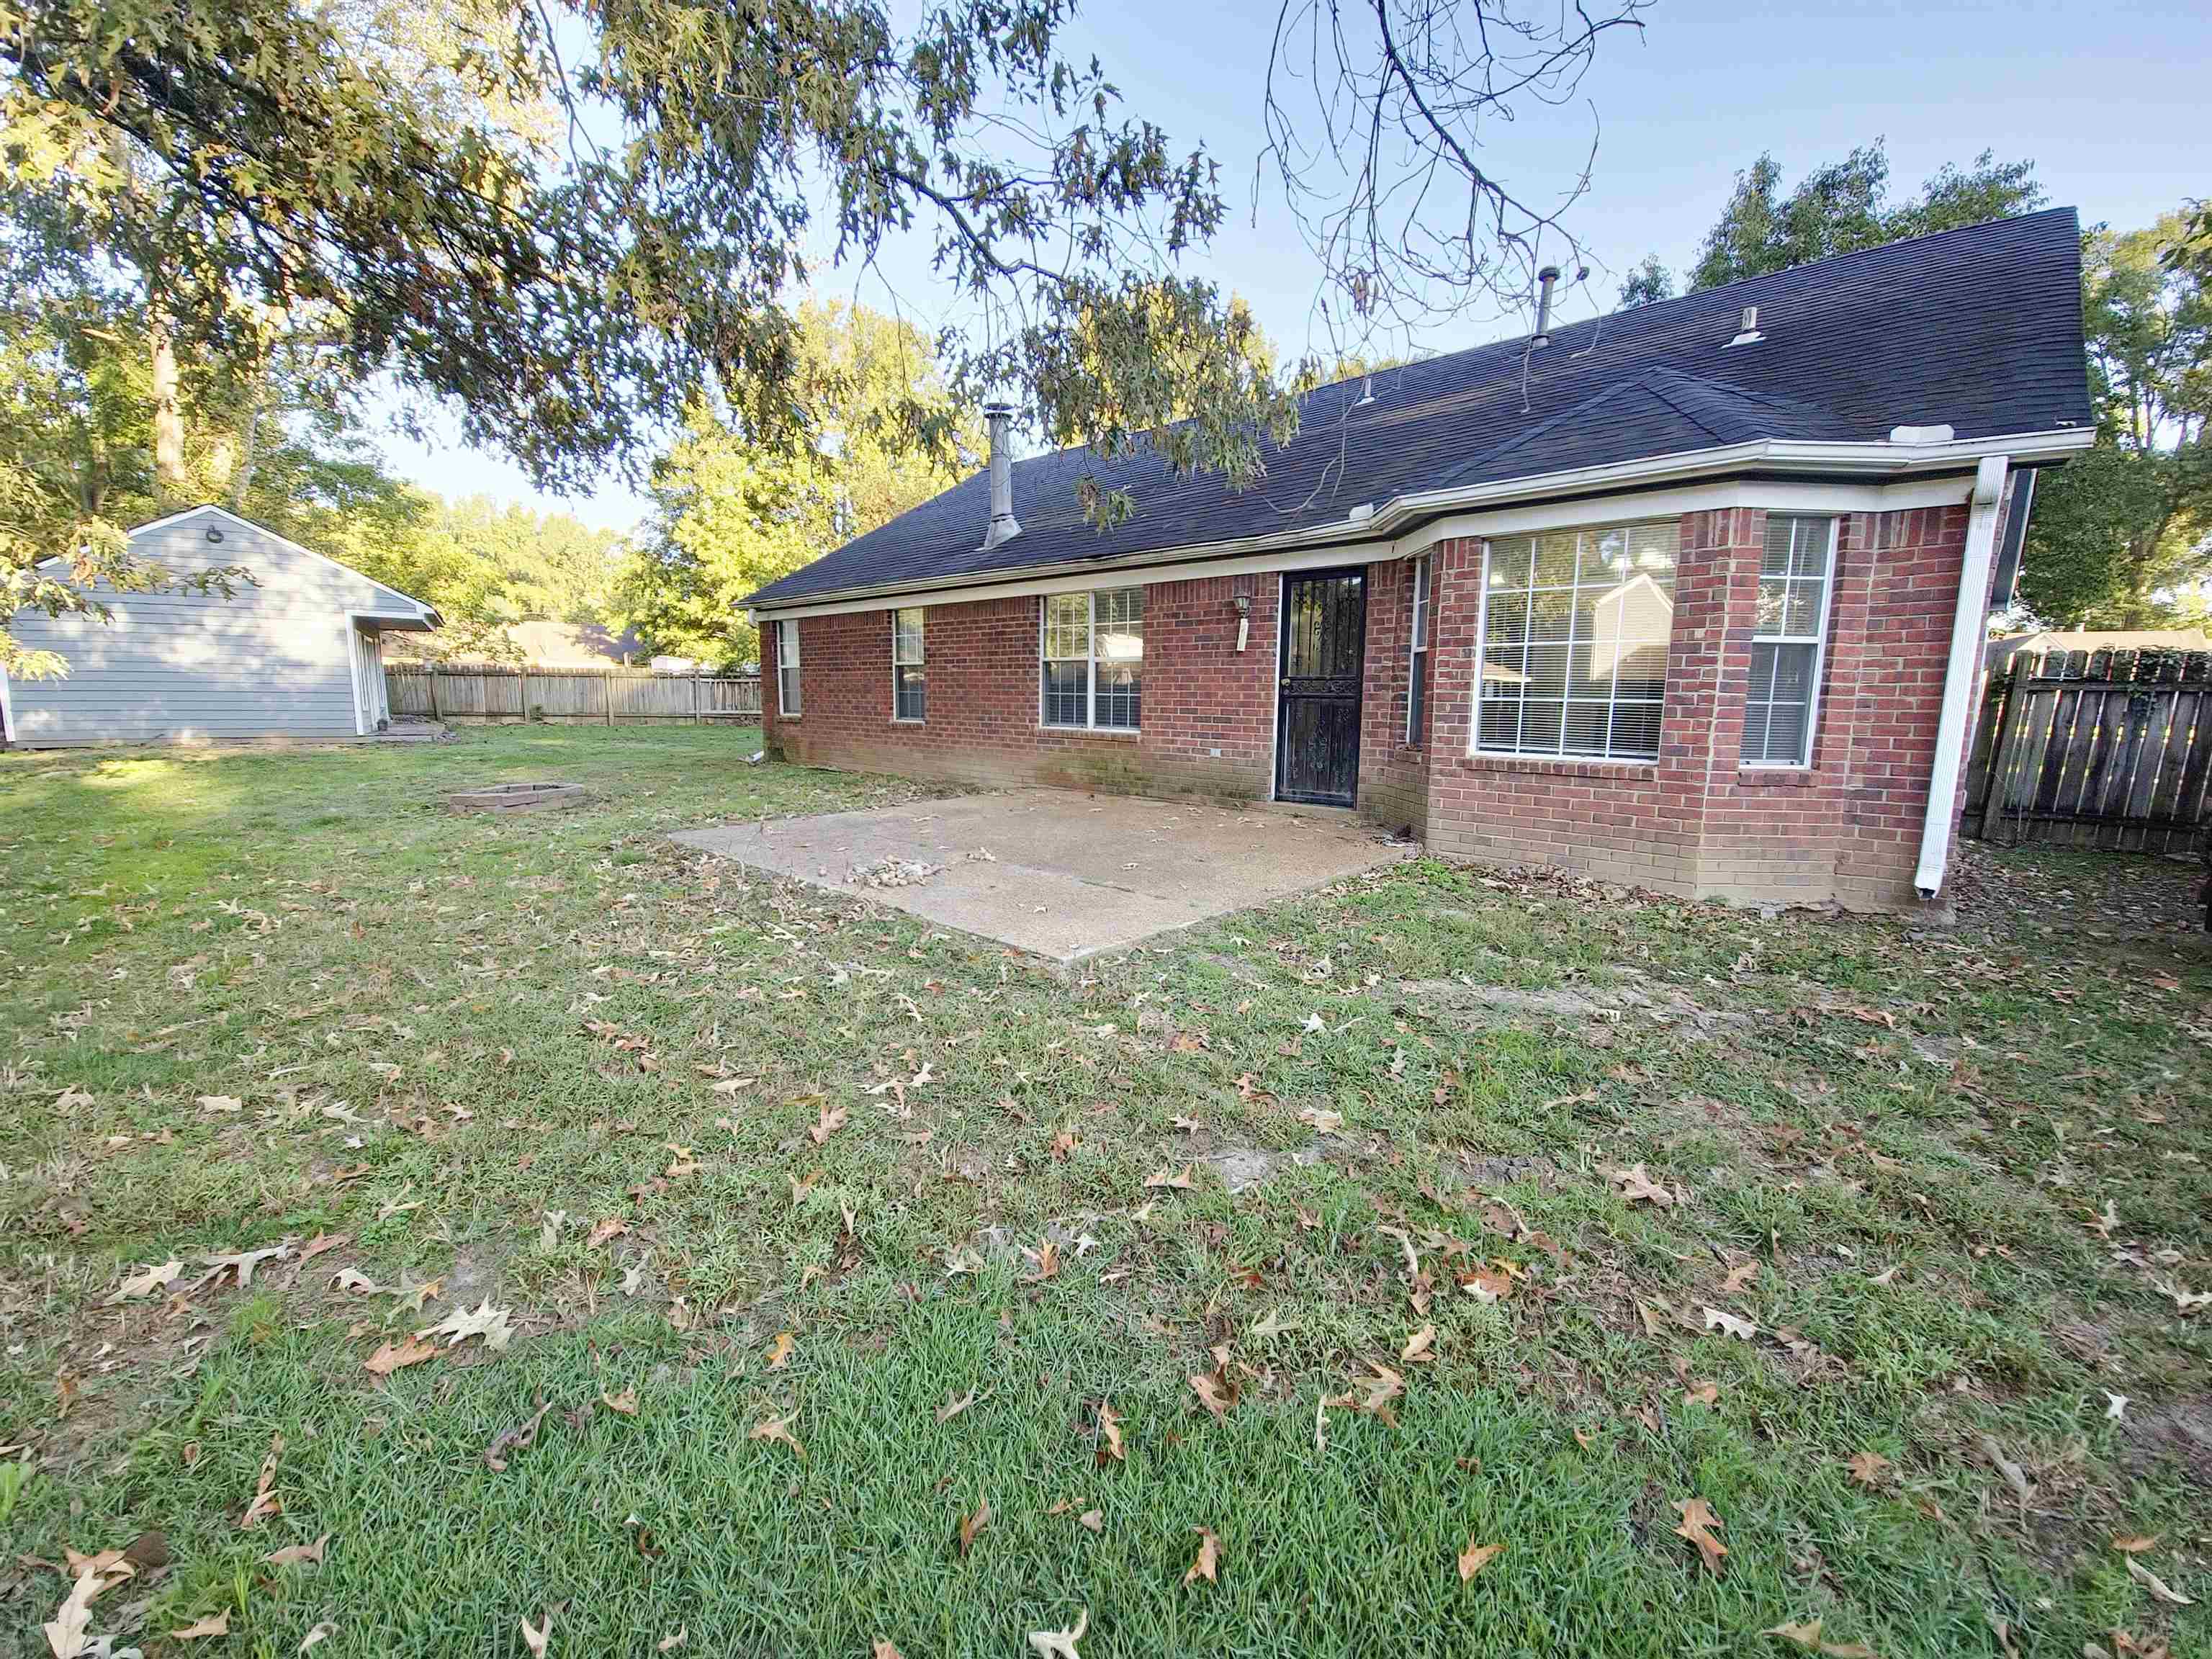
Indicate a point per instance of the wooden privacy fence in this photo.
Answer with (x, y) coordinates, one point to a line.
(2095, 748)
(608, 697)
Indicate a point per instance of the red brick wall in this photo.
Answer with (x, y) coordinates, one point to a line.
(1208, 717)
(1694, 823)
(1393, 774)
(1697, 823)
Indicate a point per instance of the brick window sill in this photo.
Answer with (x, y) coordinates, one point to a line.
(1562, 767)
(1776, 777)
(1112, 733)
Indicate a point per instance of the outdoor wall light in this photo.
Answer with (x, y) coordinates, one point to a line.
(1243, 619)
(214, 535)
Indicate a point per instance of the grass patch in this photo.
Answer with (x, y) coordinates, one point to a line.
(730, 1152)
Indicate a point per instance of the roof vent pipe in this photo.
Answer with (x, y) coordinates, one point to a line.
(1545, 278)
(1003, 526)
(1748, 334)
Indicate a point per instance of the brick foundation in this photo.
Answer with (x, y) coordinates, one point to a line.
(1694, 823)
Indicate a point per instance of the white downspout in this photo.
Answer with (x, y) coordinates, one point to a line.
(1967, 628)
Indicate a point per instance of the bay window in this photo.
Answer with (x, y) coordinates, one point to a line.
(1794, 576)
(1575, 628)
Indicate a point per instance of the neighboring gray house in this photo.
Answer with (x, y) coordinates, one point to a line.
(296, 654)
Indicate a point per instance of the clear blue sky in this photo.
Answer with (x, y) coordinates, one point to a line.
(2108, 99)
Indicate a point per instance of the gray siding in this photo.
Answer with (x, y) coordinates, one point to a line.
(272, 660)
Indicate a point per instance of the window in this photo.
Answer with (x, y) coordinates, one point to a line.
(1786, 651)
(1092, 652)
(1417, 673)
(786, 670)
(909, 690)
(1575, 626)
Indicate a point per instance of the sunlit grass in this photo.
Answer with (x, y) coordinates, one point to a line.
(442, 1030)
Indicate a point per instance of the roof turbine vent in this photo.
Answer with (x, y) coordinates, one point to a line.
(1748, 334)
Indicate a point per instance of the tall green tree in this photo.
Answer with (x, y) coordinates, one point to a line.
(1846, 206)
(1839, 207)
(2122, 535)
(735, 508)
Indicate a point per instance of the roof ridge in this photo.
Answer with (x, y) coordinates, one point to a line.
(1654, 380)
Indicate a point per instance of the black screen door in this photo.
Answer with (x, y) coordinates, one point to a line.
(1317, 719)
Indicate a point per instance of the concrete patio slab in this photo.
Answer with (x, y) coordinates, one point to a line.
(1061, 875)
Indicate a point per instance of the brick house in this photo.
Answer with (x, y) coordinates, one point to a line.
(1690, 597)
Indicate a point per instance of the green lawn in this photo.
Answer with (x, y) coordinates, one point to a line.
(659, 1115)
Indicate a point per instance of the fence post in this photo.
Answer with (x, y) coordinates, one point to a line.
(431, 674)
(695, 719)
(607, 694)
(523, 674)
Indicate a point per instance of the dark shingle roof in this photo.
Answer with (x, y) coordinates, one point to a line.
(1979, 329)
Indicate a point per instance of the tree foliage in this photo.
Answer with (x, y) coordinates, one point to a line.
(1846, 206)
(736, 507)
(571, 288)
(2122, 535)
(1646, 281)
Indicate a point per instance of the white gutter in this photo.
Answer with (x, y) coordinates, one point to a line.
(1967, 626)
(1871, 461)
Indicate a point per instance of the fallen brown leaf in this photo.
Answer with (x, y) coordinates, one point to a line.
(2160, 1590)
(394, 1355)
(624, 1404)
(534, 1639)
(1475, 1557)
(265, 1501)
(1697, 1525)
(777, 1429)
(215, 1624)
(1109, 1436)
(954, 1405)
(1807, 1636)
(1060, 1644)
(1208, 1563)
(778, 1352)
(1165, 1178)
(832, 1119)
(971, 1525)
(1869, 1469)
(1637, 1186)
(292, 1555)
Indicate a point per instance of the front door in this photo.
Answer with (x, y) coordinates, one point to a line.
(1317, 710)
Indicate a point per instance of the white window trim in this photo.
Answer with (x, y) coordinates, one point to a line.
(788, 661)
(921, 662)
(1818, 640)
(1418, 648)
(1568, 758)
(1090, 678)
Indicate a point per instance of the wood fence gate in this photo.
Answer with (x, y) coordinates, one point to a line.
(601, 697)
(2095, 748)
